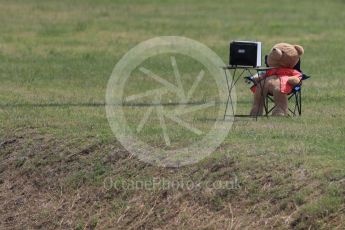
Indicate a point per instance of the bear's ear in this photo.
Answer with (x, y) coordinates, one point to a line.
(299, 49)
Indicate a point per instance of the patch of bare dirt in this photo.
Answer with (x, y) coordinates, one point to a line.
(49, 184)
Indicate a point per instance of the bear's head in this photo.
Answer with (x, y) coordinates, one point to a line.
(284, 55)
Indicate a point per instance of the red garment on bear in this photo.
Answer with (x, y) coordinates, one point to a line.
(283, 74)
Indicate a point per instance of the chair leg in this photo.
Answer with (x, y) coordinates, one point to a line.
(295, 94)
(268, 100)
(300, 102)
(297, 110)
(266, 104)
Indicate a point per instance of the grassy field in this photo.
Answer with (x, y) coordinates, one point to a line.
(58, 154)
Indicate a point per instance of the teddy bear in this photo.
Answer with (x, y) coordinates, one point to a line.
(278, 81)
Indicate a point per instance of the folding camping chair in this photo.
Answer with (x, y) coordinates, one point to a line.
(295, 95)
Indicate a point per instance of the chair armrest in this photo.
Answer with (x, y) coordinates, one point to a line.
(305, 77)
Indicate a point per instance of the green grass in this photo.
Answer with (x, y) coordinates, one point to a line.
(55, 61)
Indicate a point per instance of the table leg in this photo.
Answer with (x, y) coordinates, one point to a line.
(230, 86)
